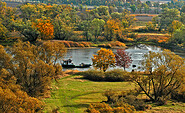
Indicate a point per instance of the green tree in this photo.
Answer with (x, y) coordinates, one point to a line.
(183, 9)
(133, 8)
(62, 30)
(146, 8)
(104, 59)
(164, 73)
(28, 11)
(167, 17)
(178, 36)
(174, 26)
(29, 32)
(103, 11)
(139, 6)
(97, 27)
(181, 19)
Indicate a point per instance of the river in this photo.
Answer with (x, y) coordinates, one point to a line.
(84, 55)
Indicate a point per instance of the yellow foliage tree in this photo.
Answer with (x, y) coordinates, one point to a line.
(112, 28)
(104, 59)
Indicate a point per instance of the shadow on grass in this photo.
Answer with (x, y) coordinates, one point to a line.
(77, 105)
(85, 94)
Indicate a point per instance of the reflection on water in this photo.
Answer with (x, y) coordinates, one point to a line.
(84, 55)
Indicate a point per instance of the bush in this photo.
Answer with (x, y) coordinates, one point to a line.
(117, 75)
(179, 94)
(118, 98)
(94, 75)
(117, 43)
(106, 108)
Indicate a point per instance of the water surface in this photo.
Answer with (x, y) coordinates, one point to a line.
(137, 52)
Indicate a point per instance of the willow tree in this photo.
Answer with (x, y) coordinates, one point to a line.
(12, 97)
(35, 66)
(164, 73)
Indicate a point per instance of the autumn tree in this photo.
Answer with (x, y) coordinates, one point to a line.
(45, 28)
(164, 73)
(174, 26)
(112, 28)
(123, 58)
(7, 15)
(12, 97)
(104, 59)
(35, 66)
(127, 18)
(3, 32)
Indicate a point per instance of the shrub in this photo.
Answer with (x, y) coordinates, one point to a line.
(106, 108)
(94, 75)
(132, 35)
(66, 44)
(179, 94)
(86, 44)
(117, 75)
(118, 98)
(117, 43)
(81, 45)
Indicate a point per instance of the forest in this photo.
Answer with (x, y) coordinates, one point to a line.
(35, 36)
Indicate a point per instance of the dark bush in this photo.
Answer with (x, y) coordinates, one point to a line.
(178, 95)
(94, 75)
(117, 75)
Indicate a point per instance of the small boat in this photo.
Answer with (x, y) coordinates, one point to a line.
(69, 64)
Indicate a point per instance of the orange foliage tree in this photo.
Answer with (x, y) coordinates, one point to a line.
(45, 28)
(104, 59)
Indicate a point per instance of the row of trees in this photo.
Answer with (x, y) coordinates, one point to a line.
(118, 3)
(63, 22)
(26, 71)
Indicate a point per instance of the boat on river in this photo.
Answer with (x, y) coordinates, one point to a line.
(69, 64)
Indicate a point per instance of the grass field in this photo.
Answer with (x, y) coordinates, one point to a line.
(72, 94)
